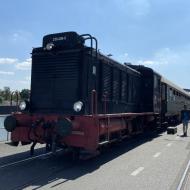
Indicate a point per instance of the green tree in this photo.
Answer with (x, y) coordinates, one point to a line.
(25, 94)
(6, 93)
(1, 99)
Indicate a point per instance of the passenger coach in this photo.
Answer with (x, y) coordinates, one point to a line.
(173, 100)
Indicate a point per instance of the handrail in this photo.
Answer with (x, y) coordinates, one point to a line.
(94, 102)
(91, 38)
(96, 45)
(94, 93)
(105, 103)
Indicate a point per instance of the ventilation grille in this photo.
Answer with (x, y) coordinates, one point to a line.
(107, 81)
(55, 79)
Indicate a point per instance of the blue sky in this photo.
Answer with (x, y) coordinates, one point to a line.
(155, 33)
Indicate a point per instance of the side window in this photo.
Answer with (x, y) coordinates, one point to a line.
(156, 82)
(168, 91)
(163, 92)
(174, 94)
(170, 94)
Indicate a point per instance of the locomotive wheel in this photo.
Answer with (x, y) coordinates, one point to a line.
(54, 148)
(10, 123)
(48, 147)
(75, 154)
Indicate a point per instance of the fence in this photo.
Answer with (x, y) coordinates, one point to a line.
(7, 110)
(4, 135)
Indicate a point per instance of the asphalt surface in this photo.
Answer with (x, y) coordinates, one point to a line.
(149, 162)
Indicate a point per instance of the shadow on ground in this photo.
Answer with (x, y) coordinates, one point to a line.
(45, 170)
(18, 156)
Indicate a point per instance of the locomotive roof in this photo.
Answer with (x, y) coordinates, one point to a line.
(116, 63)
(142, 67)
(163, 79)
(166, 81)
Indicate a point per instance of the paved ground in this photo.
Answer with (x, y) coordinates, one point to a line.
(144, 163)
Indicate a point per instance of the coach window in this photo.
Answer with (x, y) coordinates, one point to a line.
(163, 92)
(156, 82)
(168, 94)
(174, 93)
(171, 94)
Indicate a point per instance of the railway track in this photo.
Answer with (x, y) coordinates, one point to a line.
(23, 160)
(53, 170)
(45, 171)
(40, 178)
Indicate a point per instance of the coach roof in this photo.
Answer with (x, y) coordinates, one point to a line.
(166, 81)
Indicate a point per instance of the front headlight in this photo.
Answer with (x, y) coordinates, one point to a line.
(49, 46)
(24, 105)
(78, 106)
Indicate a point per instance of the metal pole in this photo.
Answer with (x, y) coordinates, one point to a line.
(7, 136)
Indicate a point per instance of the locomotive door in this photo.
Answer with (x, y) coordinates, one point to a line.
(163, 98)
(157, 94)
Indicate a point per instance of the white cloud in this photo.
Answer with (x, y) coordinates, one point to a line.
(140, 7)
(123, 58)
(14, 84)
(24, 82)
(134, 8)
(6, 73)
(15, 36)
(146, 62)
(8, 60)
(20, 36)
(173, 64)
(28, 78)
(167, 56)
(20, 65)
(164, 56)
(25, 65)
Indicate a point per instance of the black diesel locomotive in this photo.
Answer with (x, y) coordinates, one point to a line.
(83, 99)
(65, 71)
